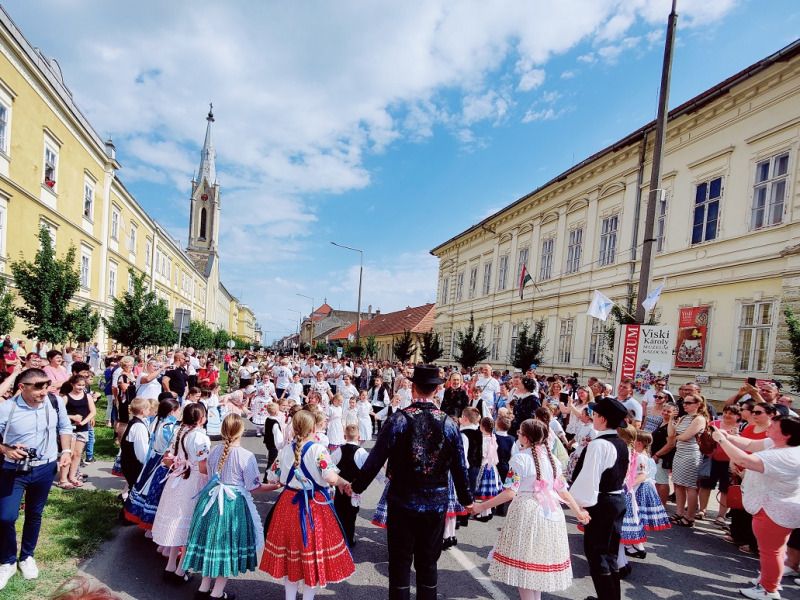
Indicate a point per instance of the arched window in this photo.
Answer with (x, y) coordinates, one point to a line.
(202, 223)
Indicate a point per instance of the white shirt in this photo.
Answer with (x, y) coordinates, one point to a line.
(600, 456)
(347, 392)
(294, 391)
(283, 376)
(192, 365)
(148, 390)
(634, 405)
(777, 489)
(489, 386)
(317, 461)
(140, 436)
(359, 458)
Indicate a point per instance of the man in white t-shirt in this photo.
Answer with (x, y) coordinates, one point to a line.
(192, 365)
(487, 386)
(147, 384)
(283, 376)
(625, 395)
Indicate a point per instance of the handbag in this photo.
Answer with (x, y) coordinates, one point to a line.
(704, 472)
(734, 497)
(706, 442)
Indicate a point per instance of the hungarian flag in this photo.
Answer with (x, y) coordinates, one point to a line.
(524, 277)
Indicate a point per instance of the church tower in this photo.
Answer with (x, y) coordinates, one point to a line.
(204, 212)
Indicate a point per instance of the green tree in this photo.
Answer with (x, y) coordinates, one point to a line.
(46, 287)
(470, 345)
(793, 323)
(140, 318)
(353, 349)
(7, 319)
(221, 338)
(431, 348)
(371, 347)
(84, 324)
(320, 348)
(530, 346)
(404, 347)
(200, 336)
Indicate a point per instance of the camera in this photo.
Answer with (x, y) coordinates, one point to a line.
(24, 465)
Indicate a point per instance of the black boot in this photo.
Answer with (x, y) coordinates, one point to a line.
(617, 586)
(605, 587)
(400, 593)
(426, 592)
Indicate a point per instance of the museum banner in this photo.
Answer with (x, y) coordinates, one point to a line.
(644, 355)
(690, 351)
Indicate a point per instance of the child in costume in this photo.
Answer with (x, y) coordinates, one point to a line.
(336, 435)
(489, 484)
(364, 410)
(651, 511)
(225, 532)
(632, 530)
(348, 458)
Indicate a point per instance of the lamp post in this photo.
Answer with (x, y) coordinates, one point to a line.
(310, 316)
(360, 275)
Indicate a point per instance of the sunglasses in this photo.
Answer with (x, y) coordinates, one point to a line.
(688, 403)
(758, 412)
(660, 396)
(39, 385)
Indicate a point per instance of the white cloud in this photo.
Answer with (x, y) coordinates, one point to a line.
(490, 105)
(531, 80)
(567, 74)
(545, 114)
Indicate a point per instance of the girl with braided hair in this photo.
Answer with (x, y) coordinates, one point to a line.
(225, 534)
(304, 539)
(188, 475)
(532, 551)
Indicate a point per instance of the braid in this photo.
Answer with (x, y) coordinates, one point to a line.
(297, 450)
(225, 452)
(178, 439)
(552, 460)
(535, 454)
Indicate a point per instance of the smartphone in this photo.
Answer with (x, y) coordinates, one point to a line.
(751, 381)
(564, 397)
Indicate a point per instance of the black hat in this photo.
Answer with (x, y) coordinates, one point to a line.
(426, 375)
(612, 409)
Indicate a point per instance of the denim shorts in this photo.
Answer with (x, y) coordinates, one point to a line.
(662, 475)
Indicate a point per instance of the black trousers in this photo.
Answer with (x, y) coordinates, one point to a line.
(415, 536)
(347, 515)
(602, 534)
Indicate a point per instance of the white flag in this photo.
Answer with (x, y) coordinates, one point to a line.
(600, 306)
(650, 302)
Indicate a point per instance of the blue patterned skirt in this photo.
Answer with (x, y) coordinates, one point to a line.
(225, 534)
(116, 469)
(381, 511)
(651, 511)
(632, 529)
(454, 508)
(142, 502)
(489, 484)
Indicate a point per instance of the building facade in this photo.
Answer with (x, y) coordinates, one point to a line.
(57, 172)
(387, 328)
(727, 240)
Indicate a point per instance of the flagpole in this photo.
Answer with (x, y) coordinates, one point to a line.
(655, 173)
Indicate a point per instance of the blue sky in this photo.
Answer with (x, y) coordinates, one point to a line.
(388, 126)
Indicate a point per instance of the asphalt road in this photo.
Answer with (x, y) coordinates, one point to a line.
(681, 563)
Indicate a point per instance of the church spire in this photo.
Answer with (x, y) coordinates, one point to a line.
(208, 169)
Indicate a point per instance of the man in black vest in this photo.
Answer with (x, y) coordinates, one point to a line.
(597, 486)
(422, 446)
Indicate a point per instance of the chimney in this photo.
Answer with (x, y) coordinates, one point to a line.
(111, 149)
(369, 309)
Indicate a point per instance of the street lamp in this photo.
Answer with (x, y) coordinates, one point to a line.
(310, 315)
(360, 275)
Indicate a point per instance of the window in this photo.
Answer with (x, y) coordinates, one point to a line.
(88, 200)
(769, 193)
(112, 280)
(445, 289)
(661, 223)
(51, 229)
(115, 219)
(513, 345)
(473, 281)
(487, 277)
(460, 286)
(574, 250)
(86, 267)
(495, 350)
(148, 251)
(132, 239)
(5, 113)
(203, 223)
(546, 262)
(707, 196)
(3, 213)
(755, 326)
(565, 340)
(597, 342)
(453, 346)
(608, 240)
(522, 260)
(130, 282)
(502, 273)
(50, 166)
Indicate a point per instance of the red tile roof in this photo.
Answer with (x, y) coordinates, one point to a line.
(322, 312)
(418, 319)
(343, 333)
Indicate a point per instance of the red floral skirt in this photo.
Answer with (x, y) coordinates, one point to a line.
(324, 559)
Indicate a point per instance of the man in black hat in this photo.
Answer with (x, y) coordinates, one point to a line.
(422, 445)
(597, 487)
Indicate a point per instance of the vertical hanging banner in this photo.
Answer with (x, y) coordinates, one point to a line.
(644, 354)
(690, 351)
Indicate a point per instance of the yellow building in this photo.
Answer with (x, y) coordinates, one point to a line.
(728, 240)
(56, 171)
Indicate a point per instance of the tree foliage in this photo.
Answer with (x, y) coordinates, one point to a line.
(320, 347)
(46, 287)
(140, 318)
(371, 347)
(84, 324)
(200, 336)
(431, 348)
(7, 320)
(530, 346)
(353, 349)
(221, 338)
(404, 347)
(470, 344)
(793, 324)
